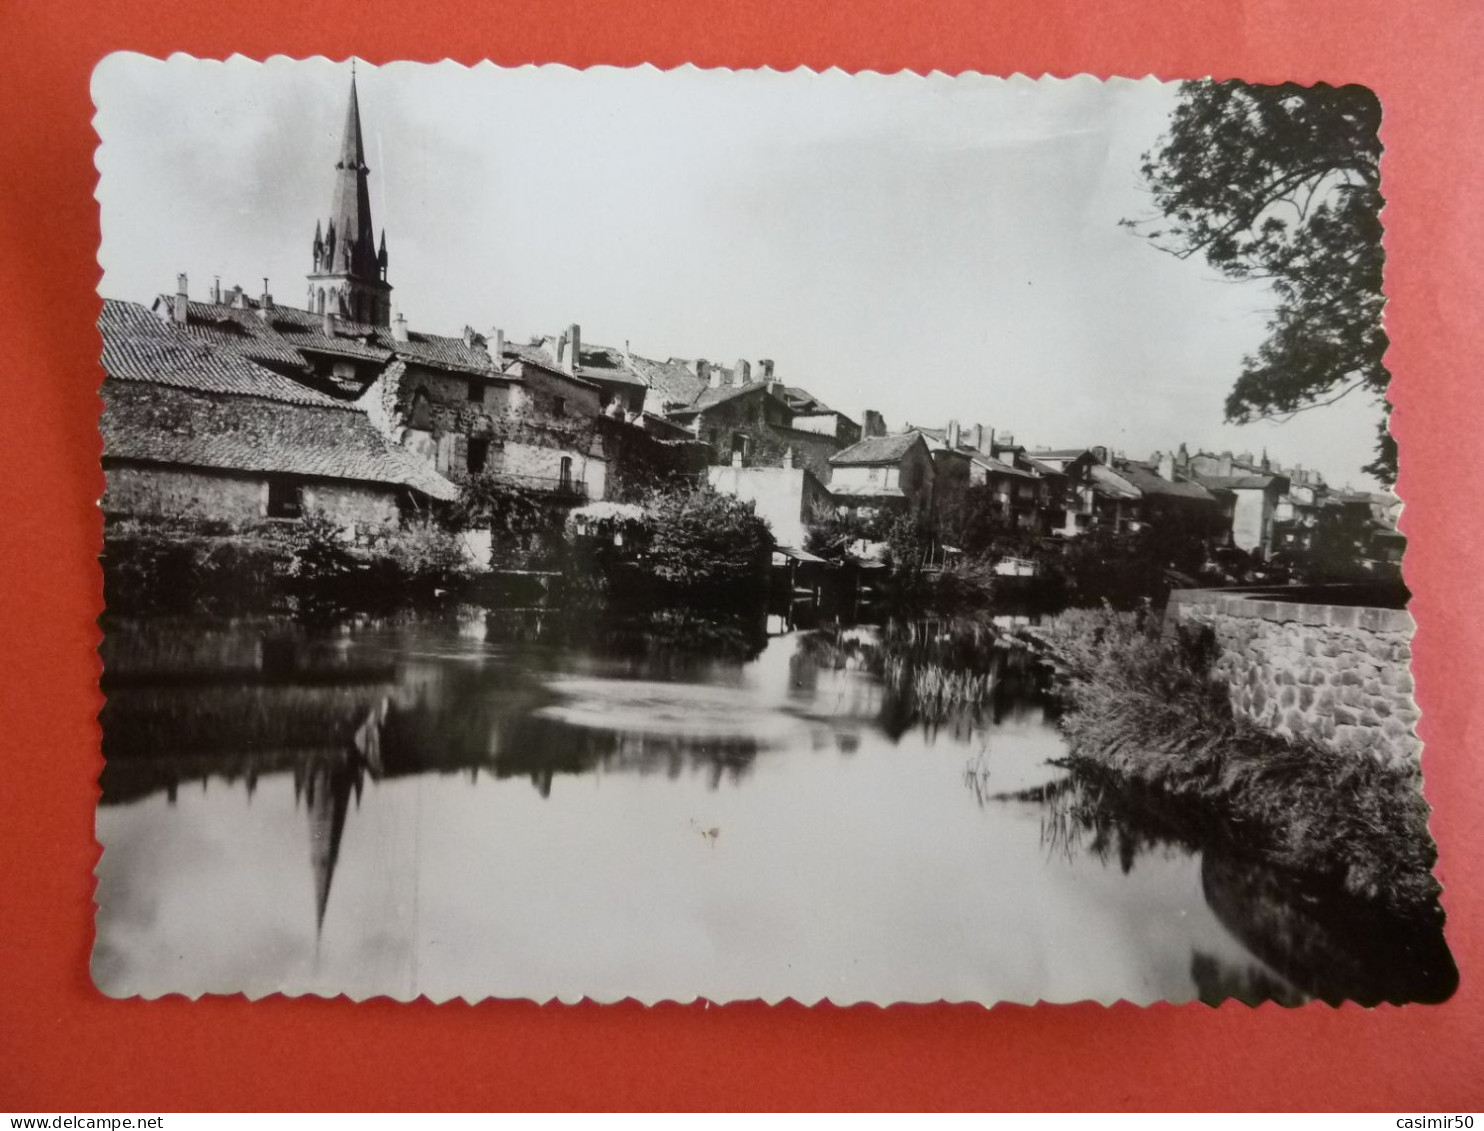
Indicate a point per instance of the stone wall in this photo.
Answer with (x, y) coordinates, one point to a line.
(1337, 673)
(237, 498)
(155, 491)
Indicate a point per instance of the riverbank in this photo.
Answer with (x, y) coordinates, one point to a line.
(1144, 714)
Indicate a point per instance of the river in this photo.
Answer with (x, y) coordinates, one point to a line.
(466, 803)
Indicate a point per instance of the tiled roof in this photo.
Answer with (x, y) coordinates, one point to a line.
(803, 401)
(436, 350)
(998, 466)
(185, 363)
(137, 320)
(674, 383)
(515, 371)
(877, 449)
(1259, 482)
(1060, 453)
(1148, 482)
(279, 337)
(710, 398)
(595, 368)
(1040, 468)
(243, 433)
(1108, 482)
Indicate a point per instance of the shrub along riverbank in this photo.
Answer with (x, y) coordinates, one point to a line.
(683, 544)
(1145, 714)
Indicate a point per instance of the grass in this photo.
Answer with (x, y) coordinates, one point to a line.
(1145, 711)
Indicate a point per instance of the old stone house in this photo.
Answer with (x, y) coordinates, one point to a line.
(752, 425)
(526, 423)
(883, 474)
(199, 433)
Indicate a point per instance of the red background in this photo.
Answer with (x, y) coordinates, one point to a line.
(64, 1047)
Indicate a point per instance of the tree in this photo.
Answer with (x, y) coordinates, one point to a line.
(701, 538)
(1282, 184)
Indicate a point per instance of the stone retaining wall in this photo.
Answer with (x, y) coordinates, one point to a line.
(1337, 673)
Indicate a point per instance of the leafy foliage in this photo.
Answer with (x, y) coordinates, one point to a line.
(700, 537)
(1146, 710)
(526, 525)
(1281, 184)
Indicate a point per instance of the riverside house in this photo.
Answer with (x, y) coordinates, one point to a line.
(883, 474)
(197, 432)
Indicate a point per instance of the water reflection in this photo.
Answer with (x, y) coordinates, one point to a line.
(1311, 940)
(478, 803)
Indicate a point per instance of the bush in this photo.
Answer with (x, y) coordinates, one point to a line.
(525, 525)
(831, 533)
(699, 538)
(1145, 709)
(169, 568)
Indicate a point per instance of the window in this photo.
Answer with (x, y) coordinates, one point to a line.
(284, 500)
(565, 475)
(476, 392)
(479, 455)
(422, 414)
(559, 406)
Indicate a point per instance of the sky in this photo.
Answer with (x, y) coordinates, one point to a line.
(930, 247)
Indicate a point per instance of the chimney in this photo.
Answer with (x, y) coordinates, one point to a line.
(558, 348)
(1005, 440)
(1100, 455)
(265, 304)
(975, 438)
(713, 377)
(216, 290)
(178, 311)
(497, 336)
(765, 367)
(574, 340)
(1166, 462)
(788, 458)
(986, 441)
(701, 368)
(872, 422)
(950, 435)
(468, 337)
(743, 372)
(239, 298)
(1224, 465)
(1182, 458)
(329, 323)
(399, 327)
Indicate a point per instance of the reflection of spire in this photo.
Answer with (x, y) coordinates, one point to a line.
(327, 792)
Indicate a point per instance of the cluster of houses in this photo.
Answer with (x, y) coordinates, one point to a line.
(236, 409)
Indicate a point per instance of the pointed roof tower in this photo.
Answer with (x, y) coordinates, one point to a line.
(351, 203)
(349, 273)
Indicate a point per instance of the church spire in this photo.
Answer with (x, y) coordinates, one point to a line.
(349, 271)
(351, 204)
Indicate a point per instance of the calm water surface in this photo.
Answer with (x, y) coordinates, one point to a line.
(465, 805)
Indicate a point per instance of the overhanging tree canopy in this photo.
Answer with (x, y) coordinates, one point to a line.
(1282, 184)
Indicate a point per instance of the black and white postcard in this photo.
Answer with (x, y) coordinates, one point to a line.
(617, 533)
